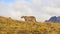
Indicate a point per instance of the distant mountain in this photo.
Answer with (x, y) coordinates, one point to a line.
(58, 19)
(53, 19)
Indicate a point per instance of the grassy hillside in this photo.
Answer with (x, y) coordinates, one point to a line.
(10, 26)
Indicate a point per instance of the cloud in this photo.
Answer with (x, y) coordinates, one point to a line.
(51, 11)
(41, 9)
(15, 10)
(24, 7)
(46, 8)
(6, 10)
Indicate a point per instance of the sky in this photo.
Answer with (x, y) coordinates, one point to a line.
(41, 9)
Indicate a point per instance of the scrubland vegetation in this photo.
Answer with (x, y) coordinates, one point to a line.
(10, 26)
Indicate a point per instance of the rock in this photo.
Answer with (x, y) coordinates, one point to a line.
(58, 19)
(53, 19)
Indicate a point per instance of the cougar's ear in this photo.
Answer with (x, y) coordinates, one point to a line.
(22, 16)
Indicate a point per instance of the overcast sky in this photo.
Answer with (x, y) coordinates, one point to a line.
(41, 9)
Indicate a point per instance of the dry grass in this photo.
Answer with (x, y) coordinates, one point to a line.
(10, 26)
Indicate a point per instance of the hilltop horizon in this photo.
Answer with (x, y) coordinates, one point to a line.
(51, 19)
(11, 26)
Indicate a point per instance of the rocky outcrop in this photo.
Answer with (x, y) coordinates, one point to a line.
(53, 19)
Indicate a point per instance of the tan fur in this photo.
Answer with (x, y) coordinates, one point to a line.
(29, 18)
